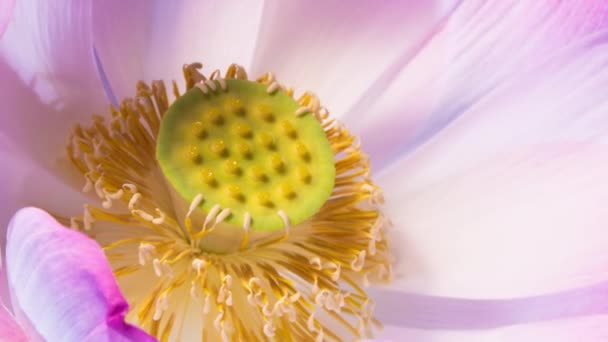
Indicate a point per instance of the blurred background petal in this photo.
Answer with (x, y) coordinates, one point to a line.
(340, 49)
(46, 53)
(48, 79)
(414, 310)
(150, 40)
(513, 188)
(6, 10)
(524, 221)
(588, 329)
(483, 45)
(43, 259)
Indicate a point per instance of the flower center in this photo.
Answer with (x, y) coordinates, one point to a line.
(235, 212)
(239, 146)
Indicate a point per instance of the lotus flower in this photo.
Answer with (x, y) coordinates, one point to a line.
(482, 121)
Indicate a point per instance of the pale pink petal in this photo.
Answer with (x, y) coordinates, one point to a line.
(6, 9)
(507, 199)
(560, 100)
(61, 284)
(414, 310)
(525, 221)
(149, 40)
(340, 49)
(26, 183)
(483, 45)
(48, 77)
(587, 329)
(10, 330)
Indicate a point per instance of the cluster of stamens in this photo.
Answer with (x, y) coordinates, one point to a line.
(306, 283)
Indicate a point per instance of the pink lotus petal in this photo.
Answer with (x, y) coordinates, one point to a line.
(506, 200)
(484, 44)
(522, 222)
(6, 9)
(341, 49)
(26, 183)
(48, 77)
(587, 329)
(149, 40)
(448, 313)
(61, 283)
(535, 106)
(10, 330)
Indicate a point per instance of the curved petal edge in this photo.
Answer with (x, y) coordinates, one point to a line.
(61, 284)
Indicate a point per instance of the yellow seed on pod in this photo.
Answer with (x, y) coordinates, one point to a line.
(235, 105)
(287, 191)
(208, 177)
(265, 112)
(199, 130)
(304, 174)
(266, 140)
(288, 129)
(215, 116)
(277, 163)
(244, 149)
(264, 199)
(258, 174)
(302, 151)
(232, 166)
(194, 155)
(218, 147)
(243, 130)
(234, 191)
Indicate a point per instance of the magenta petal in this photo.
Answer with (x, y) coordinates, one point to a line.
(6, 9)
(9, 328)
(61, 284)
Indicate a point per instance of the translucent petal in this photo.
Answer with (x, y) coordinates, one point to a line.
(150, 40)
(340, 49)
(483, 45)
(524, 221)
